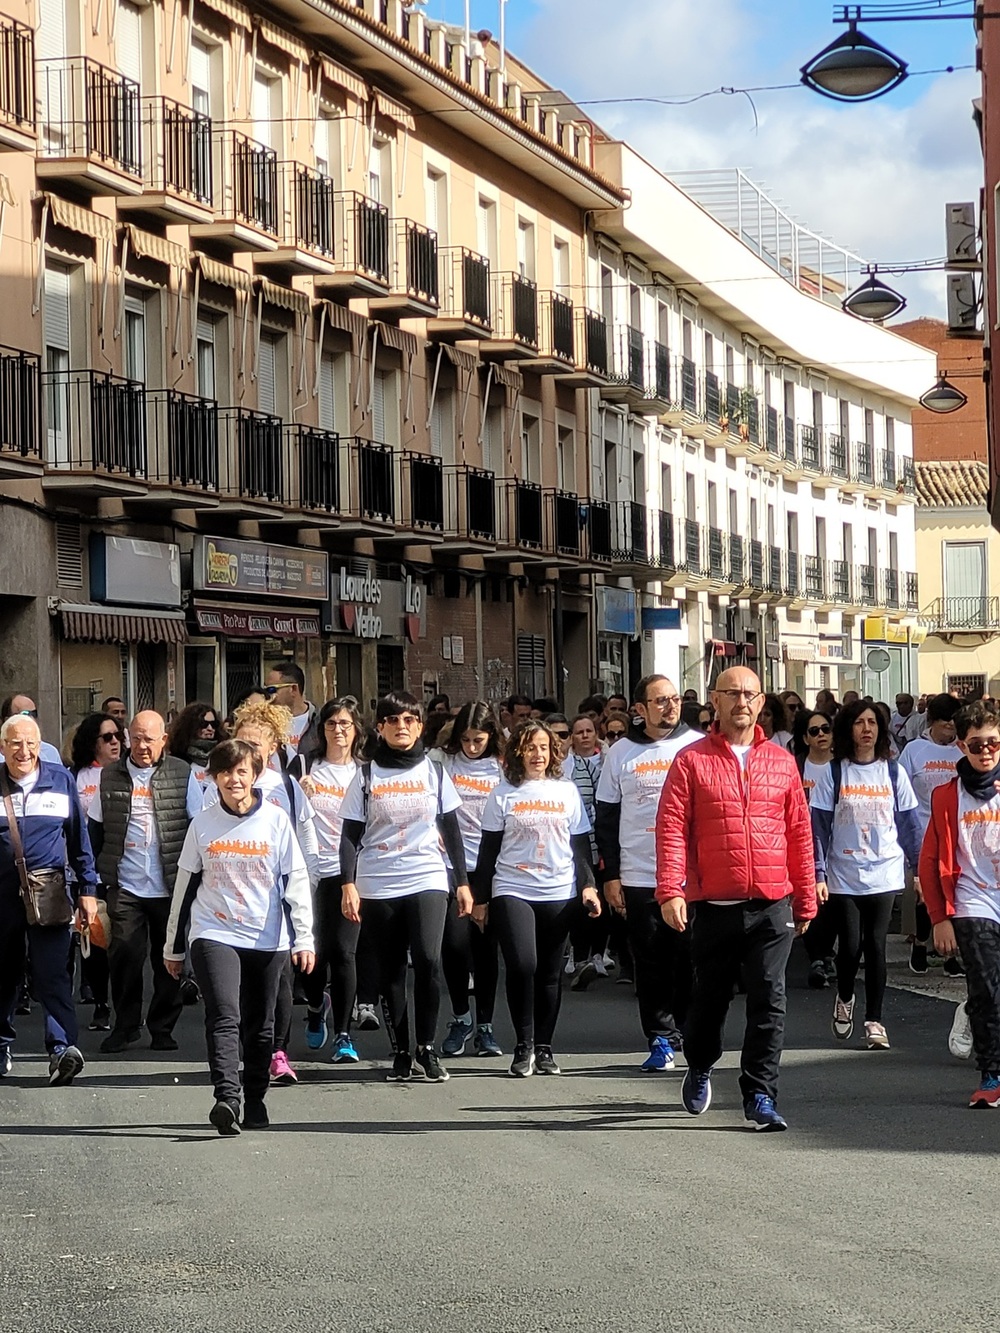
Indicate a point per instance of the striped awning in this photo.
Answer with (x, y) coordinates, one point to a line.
(125, 624)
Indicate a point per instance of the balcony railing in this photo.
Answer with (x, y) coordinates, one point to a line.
(814, 577)
(176, 150)
(630, 535)
(689, 386)
(717, 565)
(773, 572)
(771, 442)
(737, 559)
(310, 209)
(516, 307)
(692, 547)
(713, 398)
(465, 287)
(841, 584)
(17, 75)
(837, 456)
(362, 237)
(470, 503)
(425, 487)
(867, 585)
(245, 178)
(527, 520)
(911, 587)
(94, 422)
(887, 469)
(907, 482)
(20, 404)
(962, 613)
(183, 440)
(592, 330)
(314, 456)
(793, 577)
(666, 542)
(890, 588)
(629, 367)
(809, 448)
(660, 379)
(567, 531)
(863, 462)
(373, 477)
(732, 406)
(252, 456)
(415, 262)
(558, 326)
(88, 111)
(599, 530)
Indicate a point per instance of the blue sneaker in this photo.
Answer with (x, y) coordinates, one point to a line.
(660, 1058)
(696, 1091)
(343, 1051)
(459, 1033)
(318, 1025)
(485, 1042)
(760, 1113)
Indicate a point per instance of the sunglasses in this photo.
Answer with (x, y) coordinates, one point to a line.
(563, 735)
(109, 736)
(980, 746)
(615, 735)
(269, 691)
(819, 731)
(402, 720)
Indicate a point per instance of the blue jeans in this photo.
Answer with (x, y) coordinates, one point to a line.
(47, 948)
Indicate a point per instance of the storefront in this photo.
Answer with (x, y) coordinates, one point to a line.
(617, 631)
(888, 657)
(370, 620)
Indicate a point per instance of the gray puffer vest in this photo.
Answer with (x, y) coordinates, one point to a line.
(169, 784)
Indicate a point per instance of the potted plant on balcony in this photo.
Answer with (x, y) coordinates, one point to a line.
(747, 412)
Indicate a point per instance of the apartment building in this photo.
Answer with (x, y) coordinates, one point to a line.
(293, 357)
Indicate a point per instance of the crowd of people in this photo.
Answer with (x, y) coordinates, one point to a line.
(290, 853)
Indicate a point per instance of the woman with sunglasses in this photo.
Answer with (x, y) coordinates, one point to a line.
(615, 727)
(793, 705)
(192, 735)
(96, 744)
(325, 769)
(812, 746)
(398, 811)
(865, 824)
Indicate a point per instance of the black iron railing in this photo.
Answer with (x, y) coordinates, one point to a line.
(374, 487)
(774, 583)
(561, 331)
(480, 503)
(184, 445)
(599, 530)
(689, 385)
(867, 584)
(737, 549)
(524, 310)
(566, 530)
(528, 518)
(426, 486)
(837, 456)
(756, 564)
(20, 403)
(793, 578)
(176, 149)
(631, 533)
(912, 590)
(317, 455)
(253, 456)
(692, 546)
(814, 577)
(90, 111)
(863, 462)
(313, 198)
(246, 182)
(17, 74)
(95, 422)
(887, 469)
(890, 588)
(790, 451)
(666, 546)
(636, 359)
(464, 287)
(716, 554)
(809, 448)
(771, 443)
(713, 397)
(661, 373)
(421, 249)
(594, 344)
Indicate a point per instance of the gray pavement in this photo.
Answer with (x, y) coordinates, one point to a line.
(589, 1202)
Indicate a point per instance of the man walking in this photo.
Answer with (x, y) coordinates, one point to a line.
(286, 685)
(138, 821)
(40, 800)
(628, 793)
(734, 855)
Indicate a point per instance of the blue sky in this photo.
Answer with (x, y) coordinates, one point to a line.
(875, 177)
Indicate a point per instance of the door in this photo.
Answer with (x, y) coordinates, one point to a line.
(57, 355)
(243, 669)
(966, 586)
(200, 666)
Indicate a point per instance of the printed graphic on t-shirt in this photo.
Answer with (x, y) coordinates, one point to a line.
(648, 777)
(396, 803)
(982, 829)
(245, 869)
(866, 807)
(141, 825)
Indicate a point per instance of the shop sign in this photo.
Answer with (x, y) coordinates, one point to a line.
(372, 608)
(661, 617)
(133, 572)
(879, 629)
(617, 611)
(225, 564)
(246, 623)
(836, 649)
(800, 652)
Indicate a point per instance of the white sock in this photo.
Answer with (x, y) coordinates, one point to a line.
(465, 1018)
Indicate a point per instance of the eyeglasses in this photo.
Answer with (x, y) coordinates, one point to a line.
(109, 736)
(664, 701)
(330, 725)
(735, 696)
(402, 720)
(979, 746)
(819, 731)
(269, 691)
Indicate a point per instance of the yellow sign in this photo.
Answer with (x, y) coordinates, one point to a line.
(873, 629)
(897, 634)
(918, 633)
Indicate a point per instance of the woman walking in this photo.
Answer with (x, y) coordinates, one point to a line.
(812, 747)
(191, 736)
(242, 893)
(865, 825)
(534, 867)
(774, 720)
(398, 811)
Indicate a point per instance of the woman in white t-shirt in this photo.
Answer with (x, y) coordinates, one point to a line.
(534, 867)
(325, 770)
(398, 811)
(242, 895)
(471, 758)
(865, 825)
(812, 747)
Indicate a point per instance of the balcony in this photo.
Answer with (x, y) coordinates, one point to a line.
(470, 503)
(557, 338)
(20, 414)
(464, 309)
(183, 433)
(693, 556)
(793, 576)
(630, 536)
(771, 457)
(423, 494)
(599, 531)
(306, 222)
(890, 589)
(254, 473)
(413, 277)
(811, 453)
(568, 519)
(372, 486)
(661, 398)
(176, 163)
(362, 260)
(841, 584)
(315, 458)
(906, 481)
(245, 195)
(863, 472)
(718, 564)
(837, 457)
(791, 460)
(739, 571)
(692, 412)
(756, 562)
(91, 131)
(515, 319)
(627, 380)
(814, 580)
(774, 582)
(741, 420)
(666, 544)
(713, 399)
(911, 591)
(887, 470)
(95, 433)
(962, 615)
(866, 585)
(522, 520)
(17, 85)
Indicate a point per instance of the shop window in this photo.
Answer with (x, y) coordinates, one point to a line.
(968, 685)
(390, 669)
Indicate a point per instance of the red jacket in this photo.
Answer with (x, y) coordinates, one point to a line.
(724, 833)
(938, 870)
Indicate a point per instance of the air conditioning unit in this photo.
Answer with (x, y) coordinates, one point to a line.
(963, 304)
(961, 236)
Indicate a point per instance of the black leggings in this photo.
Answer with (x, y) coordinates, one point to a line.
(533, 941)
(414, 922)
(862, 927)
(336, 955)
(468, 949)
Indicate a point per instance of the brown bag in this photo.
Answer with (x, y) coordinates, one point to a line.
(46, 902)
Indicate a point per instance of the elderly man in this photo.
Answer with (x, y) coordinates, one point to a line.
(42, 801)
(735, 860)
(23, 705)
(138, 822)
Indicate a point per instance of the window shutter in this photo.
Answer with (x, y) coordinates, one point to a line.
(200, 74)
(378, 407)
(266, 377)
(531, 665)
(69, 555)
(129, 41)
(327, 393)
(57, 326)
(50, 36)
(262, 129)
(321, 137)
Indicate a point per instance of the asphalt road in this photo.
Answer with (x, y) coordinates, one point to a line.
(589, 1202)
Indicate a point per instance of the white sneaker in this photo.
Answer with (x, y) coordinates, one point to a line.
(843, 1018)
(876, 1037)
(366, 1018)
(960, 1036)
(600, 966)
(570, 967)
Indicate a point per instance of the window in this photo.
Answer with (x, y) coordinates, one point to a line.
(734, 513)
(872, 547)
(200, 75)
(690, 497)
(560, 268)
(818, 411)
(486, 228)
(212, 356)
(639, 477)
(442, 427)
(792, 531)
(607, 295)
(531, 447)
(966, 583)
(848, 543)
(789, 403)
(566, 459)
(713, 505)
(531, 665)
(272, 374)
(134, 339)
(267, 110)
(730, 365)
(493, 441)
(666, 488)
(709, 352)
(968, 685)
(436, 199)
(821, 538)
(380, 171)
(526, 249)
(663, 324)
(128, 41)
(385, 408)
(869, 427)
(326, 141)
(57, 327)
(634, 306)
(845, 419)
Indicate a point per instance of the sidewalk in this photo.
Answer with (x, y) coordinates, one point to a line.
(934, 983)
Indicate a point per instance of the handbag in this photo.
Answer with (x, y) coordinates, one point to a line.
(46, 902)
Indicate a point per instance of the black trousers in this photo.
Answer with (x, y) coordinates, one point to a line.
(533, 941)
(752, 940)
(414, 922)
(336, 955)
(46, 947)
(821, 937)
(138, 932)
(979, 944)
(239, 988)
(662, 965)
(862, 928)
(468, 949)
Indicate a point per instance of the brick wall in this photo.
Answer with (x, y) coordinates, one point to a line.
(960, 434)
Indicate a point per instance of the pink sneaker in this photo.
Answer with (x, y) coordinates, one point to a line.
(281, 1070)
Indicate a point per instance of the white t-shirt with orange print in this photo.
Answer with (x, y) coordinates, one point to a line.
(88, 784)
(538, 820)
(928, 766)
(329, 787)
(977, 893)
(474, 779)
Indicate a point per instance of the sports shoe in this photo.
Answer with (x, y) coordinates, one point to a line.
(119, 1041)
(918, 958)
(86, 994)
(843, 1018)
(459, 1032)
(342, 1051)
(584, 975)
(484, 1041)
(817, 979)
(366, 1018)
(660, 1057)
(988, 1092)
(318, 1025)
(434, 1071)
(162, 1041)
(6, 1063)
(831, 968)
(225, 1116)
(190, 994)
(255, 1115)
(64, 1066)
(545, 1062)
(402, 1068)
(523, 1063)
(696, 1091)
(570, 967)
(600, 966)
(960, 1036)
(953, 967)
(281, 1070)
(101, 1021)
(624, 978)
(759, 1112)
(876, 1037)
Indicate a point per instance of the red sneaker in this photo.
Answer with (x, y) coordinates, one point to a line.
(988, 1092)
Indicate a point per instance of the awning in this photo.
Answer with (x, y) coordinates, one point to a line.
(393, 110)
(720, 648)
(275, 294)
(81, 220)
(224, 275)
(231, 10)
(348, 321)
(468, 361)
(398, 339)
(280, 40)
(344, 78)
(147, 245)
(749, 651)
(251, 622)
(510, 379)
(121, 624)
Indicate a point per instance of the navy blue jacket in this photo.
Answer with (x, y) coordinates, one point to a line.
(53, 832)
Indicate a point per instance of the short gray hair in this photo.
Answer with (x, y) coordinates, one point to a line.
(16, 719)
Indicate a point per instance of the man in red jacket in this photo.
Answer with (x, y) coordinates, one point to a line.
(734, 856)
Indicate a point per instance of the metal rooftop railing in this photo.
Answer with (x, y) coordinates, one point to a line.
(809, 261)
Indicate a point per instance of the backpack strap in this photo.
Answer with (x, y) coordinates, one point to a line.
(894, 779)
(438, 767)
(365, 773)
(836, 772)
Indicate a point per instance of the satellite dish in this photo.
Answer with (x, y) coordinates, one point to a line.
(878, 660)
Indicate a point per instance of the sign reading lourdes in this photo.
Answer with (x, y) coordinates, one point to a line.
(371, 607)
(360, 596)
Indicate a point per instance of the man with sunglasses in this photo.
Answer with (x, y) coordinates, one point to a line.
(734, 853)
(286, 685)
(628, 793)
